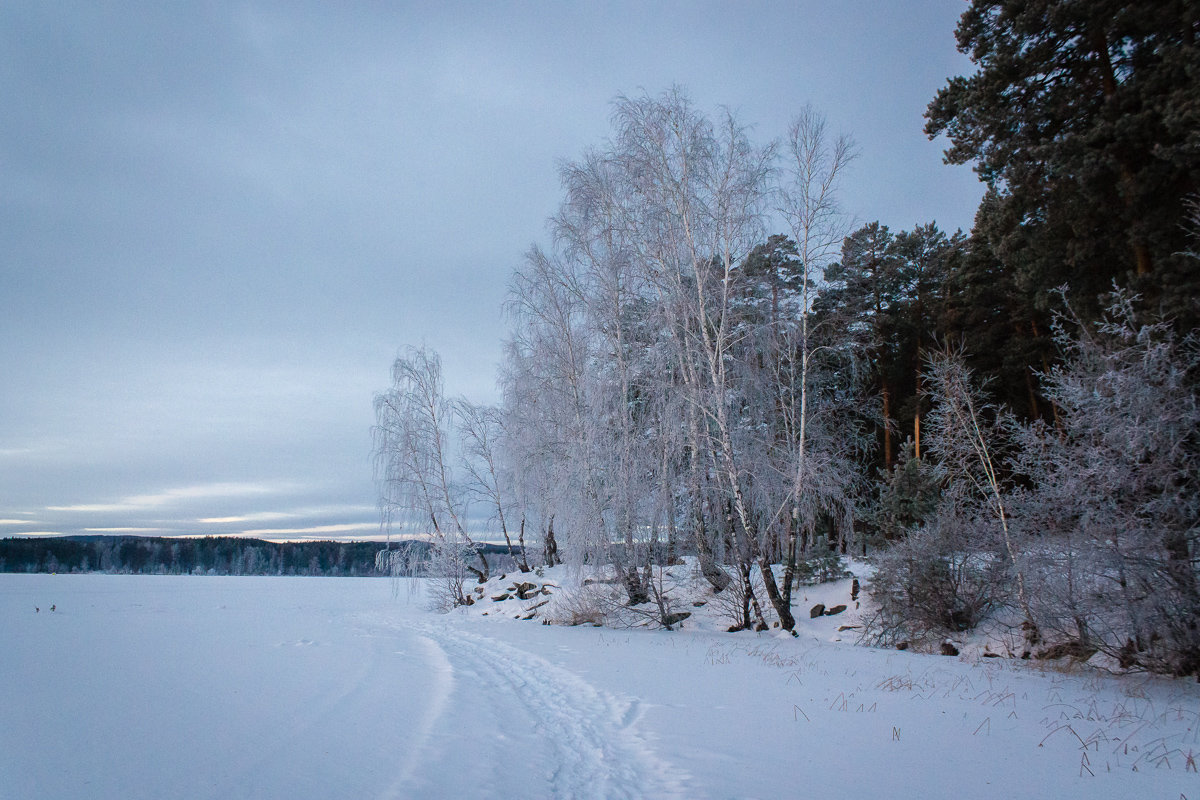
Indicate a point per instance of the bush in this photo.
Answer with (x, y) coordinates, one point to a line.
(1116, 491)
(932, 584)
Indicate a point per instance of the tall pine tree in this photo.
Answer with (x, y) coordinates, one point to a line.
(1083, 119)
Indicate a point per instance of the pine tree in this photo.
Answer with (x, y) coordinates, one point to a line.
(864, 296)
(1084, 121)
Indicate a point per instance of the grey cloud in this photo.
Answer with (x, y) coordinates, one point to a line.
(220, 221)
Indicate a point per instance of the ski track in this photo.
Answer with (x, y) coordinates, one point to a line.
(597, 748)
(443, 674)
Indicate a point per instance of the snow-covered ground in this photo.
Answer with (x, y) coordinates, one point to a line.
(190, 687)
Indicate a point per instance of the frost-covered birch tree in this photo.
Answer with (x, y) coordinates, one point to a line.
(675, 383)
(413, 463)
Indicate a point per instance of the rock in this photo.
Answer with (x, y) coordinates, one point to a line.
(817, 610)
(902, 646)
(499, 597)
(829, 612)
(848, 628)
(523, 590)
(989, 654)
(699, 603)
(675, 619)
(948, 649)
(854, 589)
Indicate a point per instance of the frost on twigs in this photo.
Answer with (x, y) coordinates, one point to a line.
(602, 600)
(448, 571)
(932, 583)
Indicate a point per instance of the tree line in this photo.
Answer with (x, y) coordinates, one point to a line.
(212, 555)
(705, 360)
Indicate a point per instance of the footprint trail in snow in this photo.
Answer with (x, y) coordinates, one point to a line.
(596, 747)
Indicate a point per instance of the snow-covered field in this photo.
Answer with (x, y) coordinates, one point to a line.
(190, 687)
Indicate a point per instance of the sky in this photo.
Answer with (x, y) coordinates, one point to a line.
(221, 221)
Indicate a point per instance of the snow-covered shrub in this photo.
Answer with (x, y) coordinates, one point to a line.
(587, 603)
(602, 599)
(936, 581)
(1115, 493)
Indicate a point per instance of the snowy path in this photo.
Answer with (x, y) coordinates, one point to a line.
(553, 734)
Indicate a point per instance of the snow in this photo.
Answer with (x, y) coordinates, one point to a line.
(198, 687)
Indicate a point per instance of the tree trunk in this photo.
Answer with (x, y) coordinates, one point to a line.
(635, 587)
(716, 577)
(1058, 421)
(483, 573)
(1143, 262)
(917, 432)
(524, 564)
(550, 545)
(750, 599)
(886, 396)
(920, 388)
(511, 550)
(1034, 411)
(790, 559)
(782, 606)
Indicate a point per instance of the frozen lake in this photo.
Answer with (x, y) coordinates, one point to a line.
(205, 687)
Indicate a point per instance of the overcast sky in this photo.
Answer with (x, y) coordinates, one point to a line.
(219, 222)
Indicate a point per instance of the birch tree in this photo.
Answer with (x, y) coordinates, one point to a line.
(815, 164)
(481, 429)
(966, 435)
(413, 460)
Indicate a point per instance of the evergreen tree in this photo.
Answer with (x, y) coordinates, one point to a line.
(1083, 119)
(863, 301)
(1005, 336)
(927, 257)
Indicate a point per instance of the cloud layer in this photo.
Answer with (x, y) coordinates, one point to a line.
(221, 221)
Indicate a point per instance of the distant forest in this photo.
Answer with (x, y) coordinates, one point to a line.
(212, 555)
